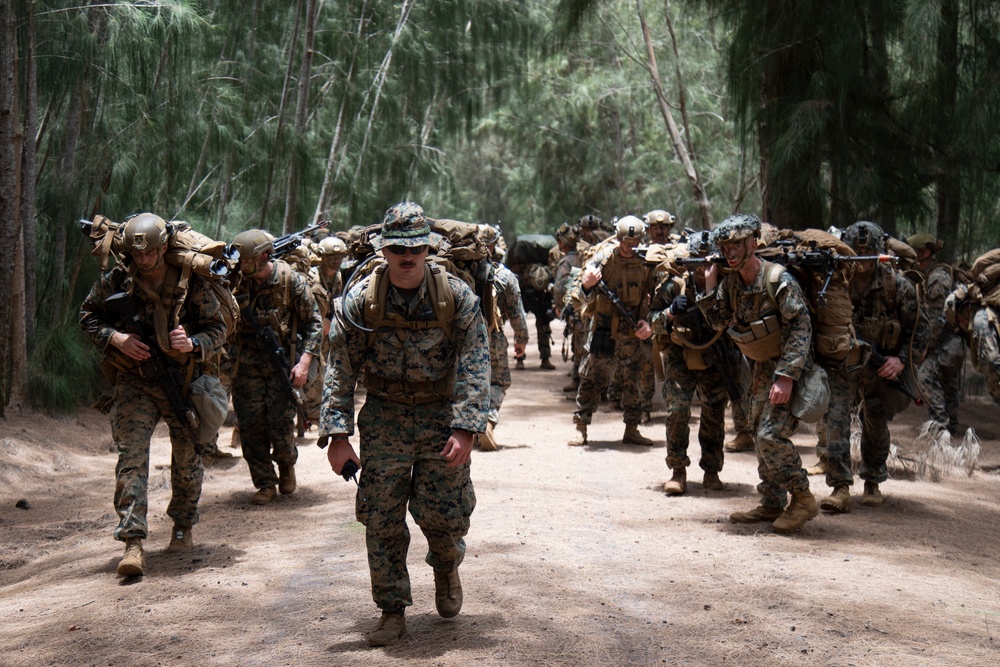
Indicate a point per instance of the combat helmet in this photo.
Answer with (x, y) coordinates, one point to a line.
(253, 243)
(925, 241)
(145, 231)
(699, 244)
(629, 227)
(659, 217)
(331, 246)
(959, 299)
(736, 228)
(568, 233)
(865, 238)
(590, 221)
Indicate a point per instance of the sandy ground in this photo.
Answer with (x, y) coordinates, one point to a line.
(575, 557)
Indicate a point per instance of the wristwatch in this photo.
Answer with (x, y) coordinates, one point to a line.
(196, 344)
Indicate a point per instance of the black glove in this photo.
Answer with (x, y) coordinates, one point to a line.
(679, 305)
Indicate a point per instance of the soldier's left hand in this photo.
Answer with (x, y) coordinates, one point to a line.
(300, 371)
(781, 390)
(180, 341)
(644, 331)
(518, 350)
(458, 450)
(891, 368)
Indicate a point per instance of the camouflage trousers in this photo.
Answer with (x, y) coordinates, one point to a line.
(647, 380)
(543, 329)
(266, 415)
(577, 344)
(778, 463)
(834, 430)
(402, 467)
(499, 373)
(679, 385)
(595, 374)
(874, 427)
(139, 406)
(940, 379)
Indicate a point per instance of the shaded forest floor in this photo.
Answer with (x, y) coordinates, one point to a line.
(575, 558)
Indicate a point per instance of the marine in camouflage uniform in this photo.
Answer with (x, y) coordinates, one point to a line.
(326, 284)
(610, 338)
(197, 331)
(687, 369)
(967, 310)
(568, 236)
(940, 373)
(509, 308)
(279, 297)
(776, 337)
(428, 393)
(985, 345)
(885, 313)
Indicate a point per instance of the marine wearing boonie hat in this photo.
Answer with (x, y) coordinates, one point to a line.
(924, 240)
(736, 228)
(405, 225)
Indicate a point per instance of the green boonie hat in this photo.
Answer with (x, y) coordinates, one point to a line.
(924, 241)
(404, 224)
(736, 228)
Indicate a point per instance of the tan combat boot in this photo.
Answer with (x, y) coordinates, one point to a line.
(819, 468)
(872, 497)
(633, 437)
(180, 540)
(712, 482)
(263, 496)
(839, 501)
(581, 439)
(286, 479)
(802, 508)
(487, 442)
(677, 484)
(388, 630)
(743, 442)
(757, 514)
(519, 365)
(447, 593)
(547, 365)
(572, 386)
(133, 563)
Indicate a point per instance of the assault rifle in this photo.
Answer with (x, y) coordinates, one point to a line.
(624, 311)
(714, 355)
(276, 354)
(822, 261)
(157, 368)
(292, 240)
(875, 360)
(692, 262)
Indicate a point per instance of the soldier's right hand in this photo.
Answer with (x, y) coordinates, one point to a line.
(130, 345)
(591, 276)
(340, 452)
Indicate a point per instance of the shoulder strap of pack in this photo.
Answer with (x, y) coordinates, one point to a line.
(890, 290)
(772, 280)
(438, 290)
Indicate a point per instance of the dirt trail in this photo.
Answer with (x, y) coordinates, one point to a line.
(575, 558)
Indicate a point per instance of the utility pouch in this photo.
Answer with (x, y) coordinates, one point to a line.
(602, 343)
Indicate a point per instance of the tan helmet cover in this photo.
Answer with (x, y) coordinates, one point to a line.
(145, 231)
(253, 243)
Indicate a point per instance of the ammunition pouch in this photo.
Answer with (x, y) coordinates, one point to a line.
(409, 393)
(762, 341)
(694, 360)
(602, 343)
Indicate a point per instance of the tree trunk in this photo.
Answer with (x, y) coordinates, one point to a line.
(29, 154)
(301, 113)
(680, 148)
(279, 132)
(9, 211)
(949, 179)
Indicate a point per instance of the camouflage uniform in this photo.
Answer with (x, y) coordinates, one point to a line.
(140, 403)
(263, 404)
(985, 346)
(560, 288)
(325, 290)
(508, 296)
(940, 373)
(679, 385)
(737, 304)
(401, 443)
(631, 279)
(873, 308)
